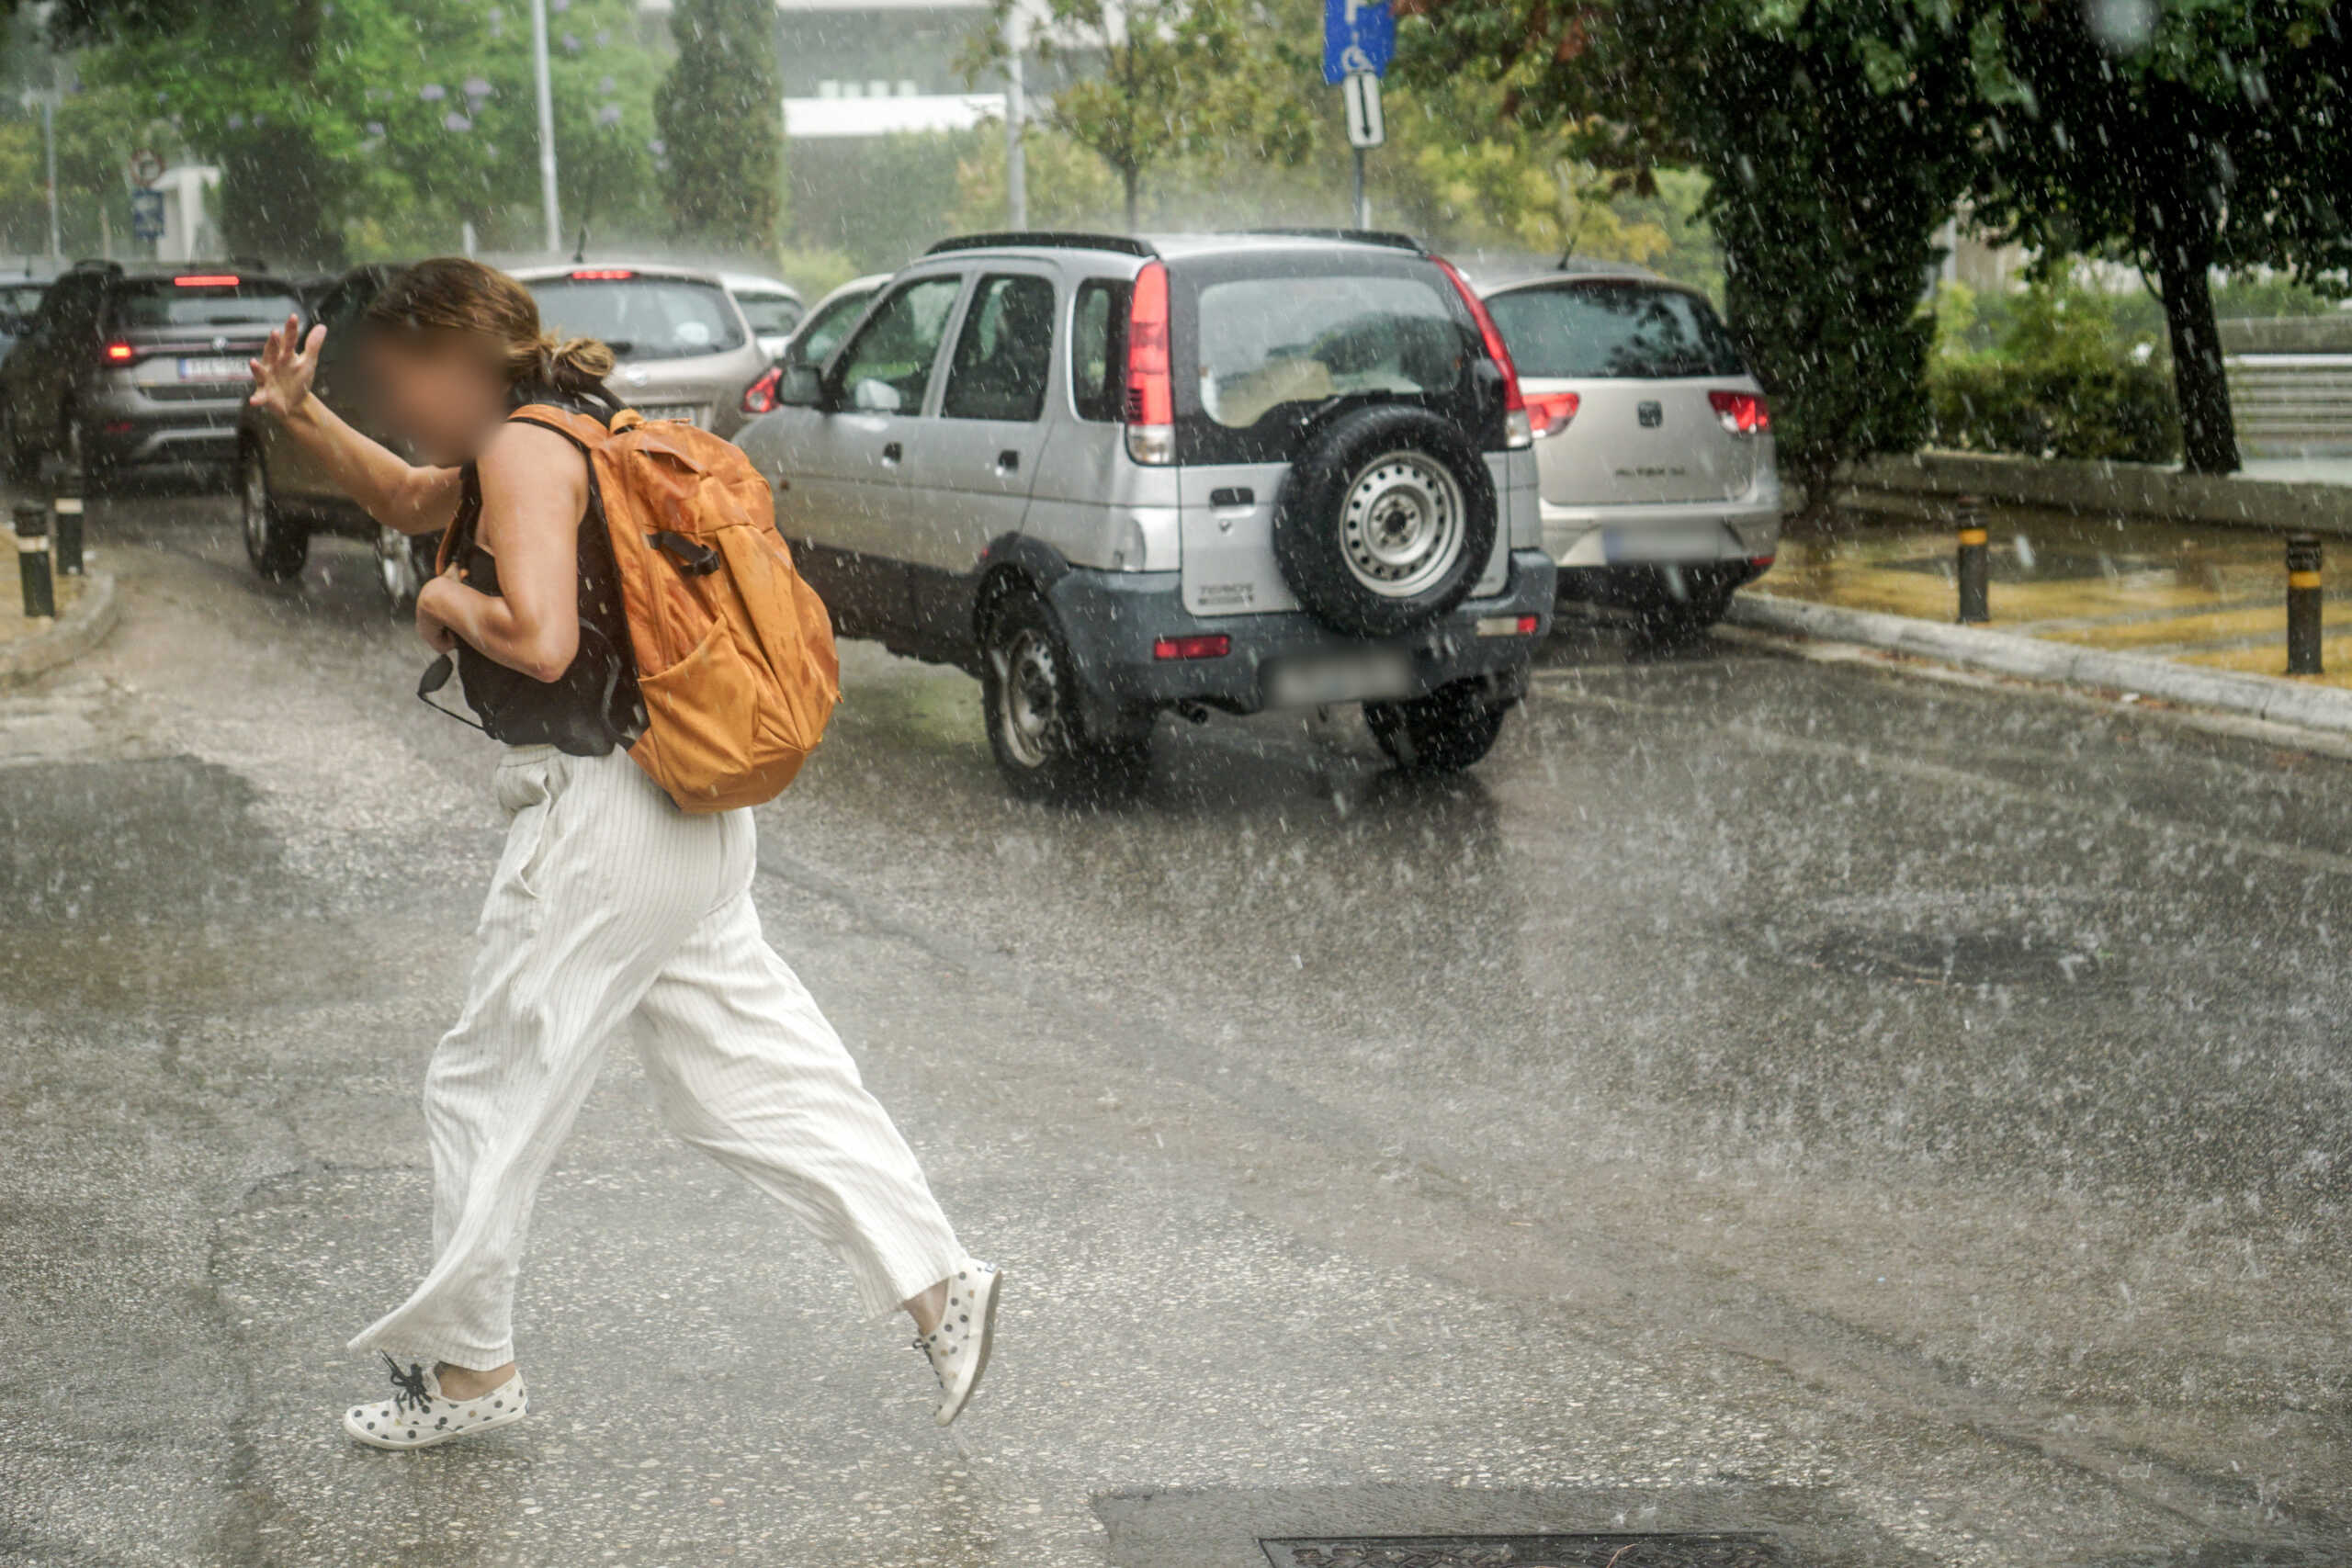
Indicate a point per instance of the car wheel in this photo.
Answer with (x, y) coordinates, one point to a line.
(1029, 689)
(1452, 728)
(276, 547)
(1386, 520)
(24, 461)
(402, 563)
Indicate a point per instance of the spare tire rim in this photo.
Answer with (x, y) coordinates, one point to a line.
(1030, 699)
(1401, 527)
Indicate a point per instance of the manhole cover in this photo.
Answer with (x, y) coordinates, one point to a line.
(1958, 958)
(1614, 1551)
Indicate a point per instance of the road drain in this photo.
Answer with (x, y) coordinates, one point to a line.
(1611, 1550)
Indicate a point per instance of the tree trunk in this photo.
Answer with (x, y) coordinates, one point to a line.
(1133, 178)
(2209, 440)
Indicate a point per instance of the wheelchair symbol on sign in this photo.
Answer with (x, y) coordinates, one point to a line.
(1353, 59)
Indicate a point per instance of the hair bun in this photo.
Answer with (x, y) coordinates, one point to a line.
(576, 362)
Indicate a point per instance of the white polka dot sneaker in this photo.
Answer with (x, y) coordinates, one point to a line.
(419, 1414)
(958, 1348)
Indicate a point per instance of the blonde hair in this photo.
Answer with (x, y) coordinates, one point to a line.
(458, 296)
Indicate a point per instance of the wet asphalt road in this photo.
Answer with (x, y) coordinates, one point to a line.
(1773, 1093)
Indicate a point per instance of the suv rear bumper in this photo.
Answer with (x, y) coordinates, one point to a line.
(1112, 618)
(124, 430)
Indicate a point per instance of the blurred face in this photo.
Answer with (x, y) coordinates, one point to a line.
(447, 394)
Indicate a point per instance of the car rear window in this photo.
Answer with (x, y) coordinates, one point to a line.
(1603, 331)
(642, 318)
(143, 304)
(1266, 343)
(770, 314)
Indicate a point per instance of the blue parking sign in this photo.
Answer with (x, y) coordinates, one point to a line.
(146, 215)
(1358, 35)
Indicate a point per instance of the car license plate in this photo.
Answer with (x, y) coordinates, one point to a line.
(1322, 679)
(214, 370)
(685, 413)
(1677, 542)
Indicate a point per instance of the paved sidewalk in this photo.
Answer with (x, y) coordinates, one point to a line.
(2213, 598)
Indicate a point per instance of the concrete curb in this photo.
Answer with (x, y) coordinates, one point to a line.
(76, 632)
(2031, 659)
(2134, 490)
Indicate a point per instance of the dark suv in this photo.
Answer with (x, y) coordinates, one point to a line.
(121, 368)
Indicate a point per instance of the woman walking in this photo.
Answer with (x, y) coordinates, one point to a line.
(610, 906)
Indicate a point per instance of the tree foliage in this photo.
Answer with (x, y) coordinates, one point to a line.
(720, 110)
(2182, 135)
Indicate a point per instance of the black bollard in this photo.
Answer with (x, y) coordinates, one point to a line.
(31, 520)
(2303, 602)
(65, 535)
(1975, 591)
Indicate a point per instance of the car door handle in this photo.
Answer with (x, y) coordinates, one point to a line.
(1008, 462)
(890, 453)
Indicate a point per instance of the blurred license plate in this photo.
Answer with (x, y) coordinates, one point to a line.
(685, 413)
(1340, 678)
(213, 370)
(1680, 542)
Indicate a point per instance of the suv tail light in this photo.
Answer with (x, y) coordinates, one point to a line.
(1548, 413)
(206, 281)
(1743, 413)
(1151, 386)
(760, 396)
(1517, 429)
(119, 353)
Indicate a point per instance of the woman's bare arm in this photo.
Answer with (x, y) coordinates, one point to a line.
(534, 493)
(397, 494)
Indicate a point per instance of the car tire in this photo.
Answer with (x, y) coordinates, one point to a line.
(24, 461)
(404, 561)
(1452, 728)
(1030, 700)
(1386, 520)
(276, 545)
(1683, 616)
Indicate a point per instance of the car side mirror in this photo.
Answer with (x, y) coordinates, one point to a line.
(799, 385)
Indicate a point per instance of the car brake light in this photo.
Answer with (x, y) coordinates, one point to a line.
(1743, 413)
(760, 396)
(121, 354)
(1211, 645)
(1548, 413)
(206, 281)
(1519, 430)
(1151, 386)
(602, 274)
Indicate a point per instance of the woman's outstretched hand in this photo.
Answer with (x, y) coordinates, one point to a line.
(282, 375)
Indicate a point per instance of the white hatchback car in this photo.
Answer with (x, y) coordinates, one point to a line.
(1659, 489)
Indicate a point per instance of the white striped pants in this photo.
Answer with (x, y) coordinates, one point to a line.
(610, 905)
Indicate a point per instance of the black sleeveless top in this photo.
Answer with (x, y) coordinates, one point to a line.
(593, 704)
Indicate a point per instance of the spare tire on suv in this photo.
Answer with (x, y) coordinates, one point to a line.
(1387, 519)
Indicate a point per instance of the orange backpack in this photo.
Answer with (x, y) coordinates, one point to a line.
(734, 652)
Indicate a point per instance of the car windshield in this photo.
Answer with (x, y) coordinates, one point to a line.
(1600, 331)
(770, 314)
(642, 318)
(1268, 342)
(823, 331)
(163, 302)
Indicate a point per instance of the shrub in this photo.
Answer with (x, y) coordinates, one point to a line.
(2063, 381)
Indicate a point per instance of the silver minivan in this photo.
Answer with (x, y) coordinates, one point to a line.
(685, 348)
(1116, 478)
(1659, 489)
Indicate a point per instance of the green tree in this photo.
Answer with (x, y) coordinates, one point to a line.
(720, 113)
(2184, 135)
(1833, 139)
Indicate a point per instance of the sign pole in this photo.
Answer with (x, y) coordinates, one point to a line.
(1359, 38)
(1363, 198)
(547, 126)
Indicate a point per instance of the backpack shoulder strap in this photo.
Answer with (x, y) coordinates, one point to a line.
(586, 431)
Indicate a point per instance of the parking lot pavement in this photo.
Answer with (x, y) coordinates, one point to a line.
(1902, 1119)
(2213, 598)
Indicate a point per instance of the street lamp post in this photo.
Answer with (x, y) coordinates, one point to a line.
(1016, 110)
(47, 99)
(547, 126)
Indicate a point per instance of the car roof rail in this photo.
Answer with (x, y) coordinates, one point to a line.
(1057, 239)
(97, 264)
(249, 263)
(1389, 238)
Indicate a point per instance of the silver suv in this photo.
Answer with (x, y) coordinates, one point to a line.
(1112, 478)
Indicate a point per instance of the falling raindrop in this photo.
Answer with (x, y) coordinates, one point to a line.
(2122, 27)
